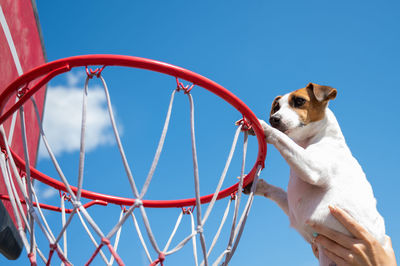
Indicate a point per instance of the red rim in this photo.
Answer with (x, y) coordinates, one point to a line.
(52, 69)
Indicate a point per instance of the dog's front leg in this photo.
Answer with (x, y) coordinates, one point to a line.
(309, 168)
(276, 194)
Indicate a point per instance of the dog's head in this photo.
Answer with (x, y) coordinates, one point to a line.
(297, 110)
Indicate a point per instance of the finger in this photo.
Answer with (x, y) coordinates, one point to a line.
(389, 248)
(334, 248)
(388, 245)
(388, 240)
(350, 223)
(338, 260)
(340, 238)
(315, 250)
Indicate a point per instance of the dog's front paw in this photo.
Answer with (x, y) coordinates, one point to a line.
(269, 132)
(261, 188)
(247, 189)
(264, 124)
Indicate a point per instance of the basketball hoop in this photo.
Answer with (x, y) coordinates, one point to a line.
(13, 165)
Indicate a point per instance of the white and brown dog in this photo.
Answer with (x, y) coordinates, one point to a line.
(323, 171)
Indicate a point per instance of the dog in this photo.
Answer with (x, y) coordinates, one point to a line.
(323, 171)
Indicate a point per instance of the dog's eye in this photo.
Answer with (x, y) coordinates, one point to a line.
(298, 102)
(276, 108)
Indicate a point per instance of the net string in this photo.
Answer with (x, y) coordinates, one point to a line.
(193, 239)
(127, 168)
(28, 176)
(141, 237)
(62, 176)
(15, 197)
(92, 238)
(232, 235)
(197, 181)
(243, 218)
(63, 222)
(199, 227)
(74, 199)
(57, 166)
(222, 223)
(32, 213)
(47, 233)
(50, 237)
(12, 198)
(11, 192)
(117, 238)
(82, 141)
(118, 139)
(178, 222)
(20, 209)
(138, 201)
(31, 248)
(223, 175)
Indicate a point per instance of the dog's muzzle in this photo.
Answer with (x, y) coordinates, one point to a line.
(276, 122)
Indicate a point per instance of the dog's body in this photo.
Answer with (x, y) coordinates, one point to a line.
(323, 171)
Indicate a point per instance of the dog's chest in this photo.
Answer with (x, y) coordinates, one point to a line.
(303, 200)
(298, 192)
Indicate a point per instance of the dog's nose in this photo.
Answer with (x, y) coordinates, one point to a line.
(274, 121)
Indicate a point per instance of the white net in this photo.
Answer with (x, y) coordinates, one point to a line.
(35, 221)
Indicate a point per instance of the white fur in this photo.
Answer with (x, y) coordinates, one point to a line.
(323, 172)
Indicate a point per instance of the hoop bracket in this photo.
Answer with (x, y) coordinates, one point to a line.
(180, 86)
(66, 196)
(4, 151)
(233, 195)
(23, 91)
(246, 125)
(188, 210)
(97, 72)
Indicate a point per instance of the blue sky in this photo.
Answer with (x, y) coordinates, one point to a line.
(257, 50)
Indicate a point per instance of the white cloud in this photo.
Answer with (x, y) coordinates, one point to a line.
(63, 115)
(74, 78)
(48, 193)
(44, 192)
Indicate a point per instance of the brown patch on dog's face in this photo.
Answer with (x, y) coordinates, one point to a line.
(275, 105)
(310, 102)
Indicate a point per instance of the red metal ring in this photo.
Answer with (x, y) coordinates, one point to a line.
(52, 69)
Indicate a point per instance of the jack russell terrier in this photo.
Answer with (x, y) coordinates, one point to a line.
(323, 171)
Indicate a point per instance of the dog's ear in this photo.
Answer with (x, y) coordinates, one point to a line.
(275, 105)
(322, 93)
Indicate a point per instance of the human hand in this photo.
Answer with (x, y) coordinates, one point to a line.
(362, 249)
